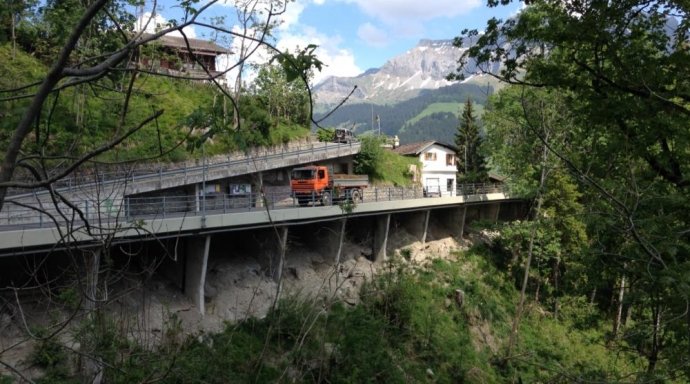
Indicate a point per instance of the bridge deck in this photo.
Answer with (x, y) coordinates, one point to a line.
(22, 238)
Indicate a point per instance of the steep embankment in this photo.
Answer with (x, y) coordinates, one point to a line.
(437, 312)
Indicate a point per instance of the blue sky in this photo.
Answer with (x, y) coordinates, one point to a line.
(354, 35)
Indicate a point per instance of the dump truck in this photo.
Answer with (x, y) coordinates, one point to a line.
(318, 183)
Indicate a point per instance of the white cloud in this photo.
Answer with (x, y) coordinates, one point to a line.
(291, 15)
(372, 36)
(291, 34)
(395, 12)
(337, 61)
(152, 23)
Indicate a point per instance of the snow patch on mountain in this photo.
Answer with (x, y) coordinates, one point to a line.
(423, 67)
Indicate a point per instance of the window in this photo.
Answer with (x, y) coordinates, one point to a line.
(450, 159)
(430, 156)
(322, 174)
(449, 184)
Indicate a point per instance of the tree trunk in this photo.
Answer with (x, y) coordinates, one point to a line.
(653, 357)
(92, 367)
(14, 36)
(518, 311)
(556, 280)
(619, 310)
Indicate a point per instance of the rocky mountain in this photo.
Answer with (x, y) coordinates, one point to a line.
(423, 67)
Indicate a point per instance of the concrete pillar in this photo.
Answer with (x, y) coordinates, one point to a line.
(326, 239)
(381, 237)
(195, 276)
(427, 214)
(279, 254)
(416, 223)
(462, 221)
(489, 211)
(454, 220)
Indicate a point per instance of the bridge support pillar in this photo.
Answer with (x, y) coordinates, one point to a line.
(278, 257)
(381, 237)
(197, 262)
(490, 211)
(425, 230)
(462, 221)
(454, 220)
(417, 223)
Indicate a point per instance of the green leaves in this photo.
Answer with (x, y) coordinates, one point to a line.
(470, 162)
(300, 64)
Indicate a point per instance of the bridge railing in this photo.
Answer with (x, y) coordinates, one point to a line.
(17, 216)
(81, 178)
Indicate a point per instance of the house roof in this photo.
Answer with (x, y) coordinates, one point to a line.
(417, 148)
(197, 45)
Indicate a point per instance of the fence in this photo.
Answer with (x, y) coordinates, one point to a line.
(16, 216)
(192, 171)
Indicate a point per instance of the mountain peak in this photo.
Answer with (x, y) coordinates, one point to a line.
(423, 67)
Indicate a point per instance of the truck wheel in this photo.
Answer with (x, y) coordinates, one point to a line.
(356, 195)
(326, 198)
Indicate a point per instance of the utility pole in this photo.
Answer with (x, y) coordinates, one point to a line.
(372, 116)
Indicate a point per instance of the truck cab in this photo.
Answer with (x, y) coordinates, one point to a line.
(304, 180)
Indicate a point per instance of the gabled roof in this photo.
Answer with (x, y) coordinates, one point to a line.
(417, 148)
(197, 45)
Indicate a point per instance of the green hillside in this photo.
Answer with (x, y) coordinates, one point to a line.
(430, 116)
(439, 121)
(83, 117)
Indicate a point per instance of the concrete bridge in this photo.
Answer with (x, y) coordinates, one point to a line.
(191, 236)
(190, 227)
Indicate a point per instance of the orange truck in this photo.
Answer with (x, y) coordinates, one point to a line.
(318, 183)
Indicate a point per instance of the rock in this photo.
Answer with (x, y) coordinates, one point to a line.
(459, 297)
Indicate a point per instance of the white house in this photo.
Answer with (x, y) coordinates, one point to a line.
(438, 174)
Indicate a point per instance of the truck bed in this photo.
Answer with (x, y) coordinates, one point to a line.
(343, 180)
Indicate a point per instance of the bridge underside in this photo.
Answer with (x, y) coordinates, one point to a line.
(186, 261)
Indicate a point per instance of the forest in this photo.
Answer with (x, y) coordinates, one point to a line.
(592, 130)
(395, 119)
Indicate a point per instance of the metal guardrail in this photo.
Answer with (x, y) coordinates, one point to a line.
(146, 208)
(245, 162)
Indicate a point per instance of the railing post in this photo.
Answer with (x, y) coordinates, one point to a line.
(376, 193)
(164, 207)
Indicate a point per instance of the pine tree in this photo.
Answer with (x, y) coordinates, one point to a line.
(471, 163)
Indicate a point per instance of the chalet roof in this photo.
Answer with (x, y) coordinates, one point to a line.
(197, 46)
(417, 148)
